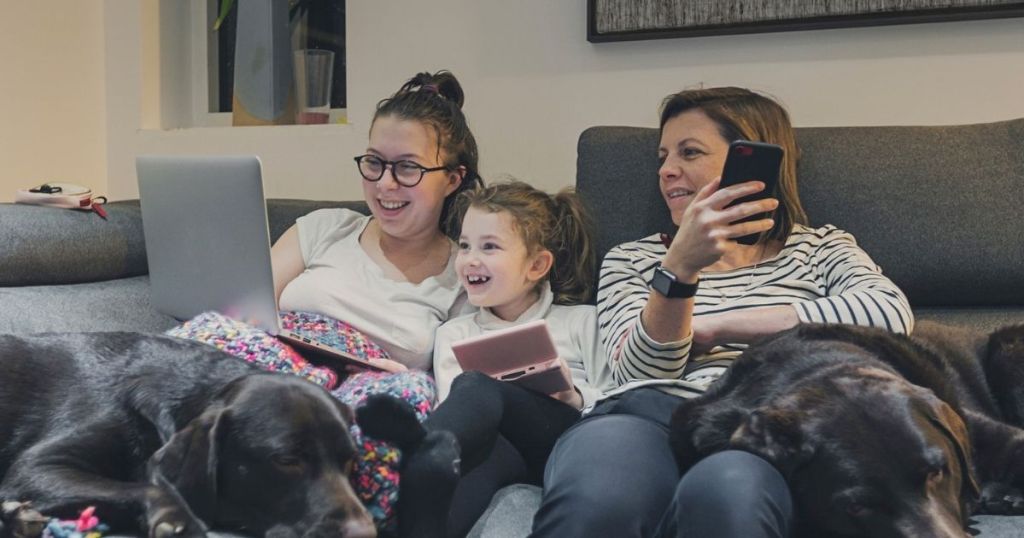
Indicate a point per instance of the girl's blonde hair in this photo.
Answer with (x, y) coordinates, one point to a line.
(557, 223)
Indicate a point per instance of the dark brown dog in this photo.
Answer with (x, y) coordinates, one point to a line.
(172, 436)
(879, 435)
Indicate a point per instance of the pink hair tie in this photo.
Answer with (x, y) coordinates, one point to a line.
(430, 88)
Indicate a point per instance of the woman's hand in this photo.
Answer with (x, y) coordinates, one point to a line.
(740, 326)
(704, 334)
(571, 397)
(707, 230)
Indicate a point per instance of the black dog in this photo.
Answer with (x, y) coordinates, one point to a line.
(878, 435)
(171, 436)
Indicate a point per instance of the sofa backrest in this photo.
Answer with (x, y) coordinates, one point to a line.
(938, 208)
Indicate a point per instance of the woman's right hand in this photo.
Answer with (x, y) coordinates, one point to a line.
(707, 227)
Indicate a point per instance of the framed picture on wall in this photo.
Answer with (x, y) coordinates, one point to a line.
(627, 20)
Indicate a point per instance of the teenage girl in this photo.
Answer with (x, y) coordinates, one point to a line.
(523, 255)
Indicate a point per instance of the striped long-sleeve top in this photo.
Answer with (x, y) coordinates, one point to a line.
(821, 272)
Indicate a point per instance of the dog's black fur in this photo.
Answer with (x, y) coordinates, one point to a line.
(879, 435)
(170, 436)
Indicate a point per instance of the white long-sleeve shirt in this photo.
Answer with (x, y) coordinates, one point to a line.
(573, 330)
(821, 272)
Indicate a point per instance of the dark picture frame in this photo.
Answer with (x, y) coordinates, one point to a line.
(630, 20)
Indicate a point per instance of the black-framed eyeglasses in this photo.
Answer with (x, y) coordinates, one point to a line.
(406, 173)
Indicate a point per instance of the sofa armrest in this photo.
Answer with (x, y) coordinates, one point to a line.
(45, 245)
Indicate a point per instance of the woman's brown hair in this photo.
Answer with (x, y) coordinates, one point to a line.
(560, 224)
(436, 101)
(742, 114)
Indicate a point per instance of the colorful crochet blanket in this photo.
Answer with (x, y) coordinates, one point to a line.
(375, 478)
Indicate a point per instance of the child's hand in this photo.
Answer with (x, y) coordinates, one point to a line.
(572, 396)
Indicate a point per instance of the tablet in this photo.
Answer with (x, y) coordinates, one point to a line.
(523, 354)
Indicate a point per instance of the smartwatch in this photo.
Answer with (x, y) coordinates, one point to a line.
(666, 283)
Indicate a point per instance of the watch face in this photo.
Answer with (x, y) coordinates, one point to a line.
(662, 282)
(665, 283)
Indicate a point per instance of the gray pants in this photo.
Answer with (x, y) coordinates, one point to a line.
(613, 474)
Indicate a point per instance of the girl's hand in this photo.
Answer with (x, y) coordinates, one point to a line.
(707, 228)
(571, 397)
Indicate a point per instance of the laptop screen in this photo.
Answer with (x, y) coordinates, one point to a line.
(205, 224)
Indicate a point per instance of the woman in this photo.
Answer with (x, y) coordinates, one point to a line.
(390, 274)
(387, 279)
(675, 311)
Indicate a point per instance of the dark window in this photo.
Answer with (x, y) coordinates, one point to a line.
(325, 29)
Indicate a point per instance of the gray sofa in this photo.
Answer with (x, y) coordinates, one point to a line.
(937, 207)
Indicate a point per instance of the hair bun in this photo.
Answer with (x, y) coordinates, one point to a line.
(448, 87)
(442, 83)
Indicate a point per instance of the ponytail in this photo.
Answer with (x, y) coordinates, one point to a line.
(560, 224)
(571, 243)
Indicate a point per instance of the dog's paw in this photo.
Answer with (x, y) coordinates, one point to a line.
(168, 519)
(19, 520)
(1001, 499)
(177, 528)
(390, 419)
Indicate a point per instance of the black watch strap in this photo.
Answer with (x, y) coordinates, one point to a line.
(666, 283)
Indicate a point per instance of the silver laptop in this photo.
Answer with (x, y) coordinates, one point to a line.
(208, 245)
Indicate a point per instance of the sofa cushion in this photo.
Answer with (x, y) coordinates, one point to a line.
(510, 514)
(110, 305)
(937, 207)
(984, 319)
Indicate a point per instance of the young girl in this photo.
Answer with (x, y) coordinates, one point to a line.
(523, 255)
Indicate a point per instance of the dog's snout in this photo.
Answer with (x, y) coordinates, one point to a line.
(358, 529)
(343, 528)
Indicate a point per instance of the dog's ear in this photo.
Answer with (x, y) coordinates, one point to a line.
(346, 412)
(188, 462)
(775, 435)
(949, 423)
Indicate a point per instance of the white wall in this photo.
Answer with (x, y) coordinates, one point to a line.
(533, 83)
(51, 95)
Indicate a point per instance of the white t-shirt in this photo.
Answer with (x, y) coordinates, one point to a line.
(341, 281)
(573, 329)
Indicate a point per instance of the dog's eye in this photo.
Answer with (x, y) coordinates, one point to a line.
(936, 475)
(857, 510)
(285, 460)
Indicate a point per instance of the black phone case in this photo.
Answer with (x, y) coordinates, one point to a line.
(749, 161)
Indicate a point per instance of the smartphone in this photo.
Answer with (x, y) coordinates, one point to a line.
(750, 161)
(522, 354)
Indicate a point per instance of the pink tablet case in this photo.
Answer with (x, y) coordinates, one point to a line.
(523, 354)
